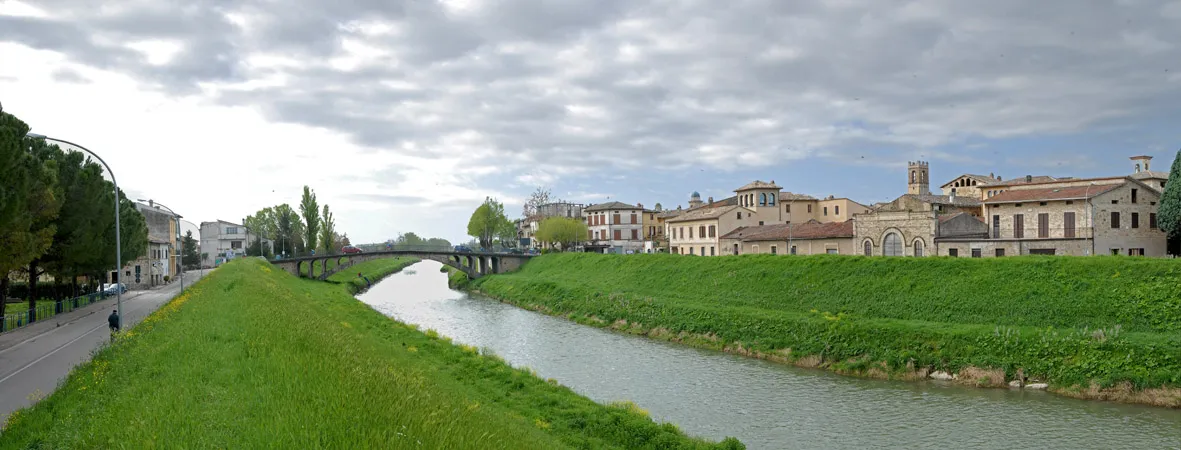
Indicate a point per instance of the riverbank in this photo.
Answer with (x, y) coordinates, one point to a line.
(1097, 328)
(373, 270)
(251, 357)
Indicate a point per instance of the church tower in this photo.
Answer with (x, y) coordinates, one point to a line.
(695, 200)
(917, 181)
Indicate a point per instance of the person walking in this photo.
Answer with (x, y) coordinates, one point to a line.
(113, 322)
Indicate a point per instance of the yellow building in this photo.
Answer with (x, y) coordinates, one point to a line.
(698, 232)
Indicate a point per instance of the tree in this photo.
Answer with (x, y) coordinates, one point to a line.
(25, 184)
(327, 231)
(288, 229)
(539, 197)
(1170, 202)
(488, 223)
(310, 210)
(190, 258)
(561, 230)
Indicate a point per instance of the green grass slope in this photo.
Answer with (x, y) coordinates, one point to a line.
(252, 357)
(1073, 321)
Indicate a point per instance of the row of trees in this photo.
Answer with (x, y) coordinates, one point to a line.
(490, 227)
(57, 213)
(312, 228)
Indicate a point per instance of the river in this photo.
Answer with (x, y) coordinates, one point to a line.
(766, 405)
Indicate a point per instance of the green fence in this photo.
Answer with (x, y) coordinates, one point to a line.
(19, 319)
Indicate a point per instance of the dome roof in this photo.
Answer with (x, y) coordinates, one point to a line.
(696, 195)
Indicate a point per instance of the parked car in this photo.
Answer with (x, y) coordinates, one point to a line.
(351, 249)
(112, 288)
(462, 249)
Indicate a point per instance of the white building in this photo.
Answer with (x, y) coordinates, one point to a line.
(615, 227)
(222, 241)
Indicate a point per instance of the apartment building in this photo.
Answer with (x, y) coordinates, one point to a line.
(222, 241)
(699, 232)
(615, 227)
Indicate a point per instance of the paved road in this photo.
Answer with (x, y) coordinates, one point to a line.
(34, 359)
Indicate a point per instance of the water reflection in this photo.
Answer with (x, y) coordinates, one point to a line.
(766, 405)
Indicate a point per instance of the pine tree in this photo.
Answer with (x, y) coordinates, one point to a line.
(1170, 204)
(27, 188)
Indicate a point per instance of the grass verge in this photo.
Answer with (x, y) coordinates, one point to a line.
(252, 357)
(456, 279)
(1102, 328)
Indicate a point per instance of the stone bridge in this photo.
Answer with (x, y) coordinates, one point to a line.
(474, 264)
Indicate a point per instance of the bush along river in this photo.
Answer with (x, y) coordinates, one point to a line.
(764, 404)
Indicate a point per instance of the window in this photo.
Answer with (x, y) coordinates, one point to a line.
(1000, 252)
(996, 227)
(739, 215)
(754, 249)
(774, 249)
(713, 231)
(236, 245)
(1068, 225)
(1018, 226)
(763, 199)
(918, 248)
(953, 252)
(892, 245)
(771, 199)
(690, 232)
(690, 250)
(837, 210)
(868, 248)
(618, 235)
(735, 249)
(711, 251)
(975, 253)
(1134, 192)
(1115, 202)
(1043, 251)
(1115, 252)
(787, 208)
(702, 251)
(760, 223)
(1135, 252)
(1043, 225)
(230, 230)
(701, 231)
(633, 218)
(615, 219)
(1115, 220)
(590, 235)
(1070, 202)
(825, 210)
(809, 209)
(635, 234)
(1135, 220)
(1042, 204)
(1152, 221)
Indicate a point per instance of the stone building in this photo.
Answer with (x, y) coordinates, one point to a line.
(809, 238)
(911, 224)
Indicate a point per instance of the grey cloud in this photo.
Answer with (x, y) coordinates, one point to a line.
(659, 84)
(69, 76)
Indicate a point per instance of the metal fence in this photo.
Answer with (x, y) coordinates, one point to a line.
(16, 320)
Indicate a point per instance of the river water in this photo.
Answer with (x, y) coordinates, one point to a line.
(763, 404)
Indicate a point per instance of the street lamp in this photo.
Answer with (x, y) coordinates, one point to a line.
(177, 253)
(118, 234)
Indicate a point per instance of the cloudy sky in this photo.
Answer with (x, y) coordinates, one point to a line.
(404, 114)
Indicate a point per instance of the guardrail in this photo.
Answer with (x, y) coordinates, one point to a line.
(16, 320)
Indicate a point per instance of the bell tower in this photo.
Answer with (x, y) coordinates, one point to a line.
(916, 177)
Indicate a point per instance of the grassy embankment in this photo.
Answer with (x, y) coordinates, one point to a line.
(1102, 327)
(252, 357)
(375, 270)
(456, 279)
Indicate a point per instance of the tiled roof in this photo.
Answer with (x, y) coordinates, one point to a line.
(1044, 194)
(791, 196)
(1150, 174)
(731, 201)
(704, 213)
(802, 231)
(1032, 179)
(947, 217)
(609, 206)
(758, 185)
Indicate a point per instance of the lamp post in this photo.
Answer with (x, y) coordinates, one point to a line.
(177, 253)
(118, 232)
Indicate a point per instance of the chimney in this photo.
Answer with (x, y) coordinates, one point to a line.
(151, 203)
(951, 197)
(711, 199)
(1029, 178)
(640, 205)
(991, 175)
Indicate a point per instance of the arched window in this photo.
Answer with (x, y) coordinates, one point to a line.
(918, 248)
(771, 199)
(868, 248)
(763, 199)
(892, 245)
(913, 177)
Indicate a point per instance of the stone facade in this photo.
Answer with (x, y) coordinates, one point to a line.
(914, 229)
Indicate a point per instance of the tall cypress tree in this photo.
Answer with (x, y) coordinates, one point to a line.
(1170, 203)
